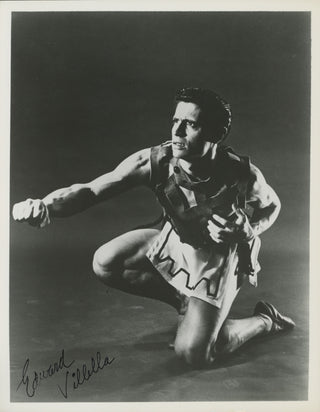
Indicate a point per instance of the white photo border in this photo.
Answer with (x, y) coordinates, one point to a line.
(6, 8)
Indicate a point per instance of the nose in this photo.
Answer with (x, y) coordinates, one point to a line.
(180, 129)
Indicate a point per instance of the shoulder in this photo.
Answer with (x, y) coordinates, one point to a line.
(257, 181)
(135, 160)
(160, 157)
(145, 165)
(249, 176)
(140, 158)
(161, 151)
(259, 191)
(135, 168)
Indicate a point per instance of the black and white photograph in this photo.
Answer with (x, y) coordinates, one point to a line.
(159, 206)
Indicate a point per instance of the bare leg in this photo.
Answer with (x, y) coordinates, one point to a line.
(235, 332)
(122, 264)
(205, 331)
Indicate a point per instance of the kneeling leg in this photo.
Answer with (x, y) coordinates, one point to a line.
(198, 332)
(206, 333)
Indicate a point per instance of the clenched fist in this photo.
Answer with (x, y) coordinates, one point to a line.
(225, 231)
(33, 211)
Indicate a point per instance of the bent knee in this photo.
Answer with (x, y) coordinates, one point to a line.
(104, 262)
(98, 268)
(194, 355)
(203, 353)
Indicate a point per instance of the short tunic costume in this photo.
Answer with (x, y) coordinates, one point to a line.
(184, 253)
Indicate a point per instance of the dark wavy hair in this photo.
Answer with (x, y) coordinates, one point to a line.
(215, 112)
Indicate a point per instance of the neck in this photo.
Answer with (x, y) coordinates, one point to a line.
(199, 166)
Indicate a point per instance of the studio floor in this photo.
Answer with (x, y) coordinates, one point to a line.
(59, 308)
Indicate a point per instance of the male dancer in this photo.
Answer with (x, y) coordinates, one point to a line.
(216, 204)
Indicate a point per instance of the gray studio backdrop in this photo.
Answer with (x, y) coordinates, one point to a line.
(89, 88)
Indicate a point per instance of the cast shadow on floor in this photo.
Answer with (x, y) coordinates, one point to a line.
(161, 365)
(249, 352)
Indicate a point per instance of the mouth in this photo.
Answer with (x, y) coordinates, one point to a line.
(179, 145)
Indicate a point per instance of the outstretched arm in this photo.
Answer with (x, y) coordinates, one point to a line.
(266, 207)
(133, 171)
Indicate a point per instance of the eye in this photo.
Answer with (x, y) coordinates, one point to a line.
(192, 124)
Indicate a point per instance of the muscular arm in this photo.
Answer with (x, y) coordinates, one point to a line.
(266, 207)
(264, 200)
(131, 172)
